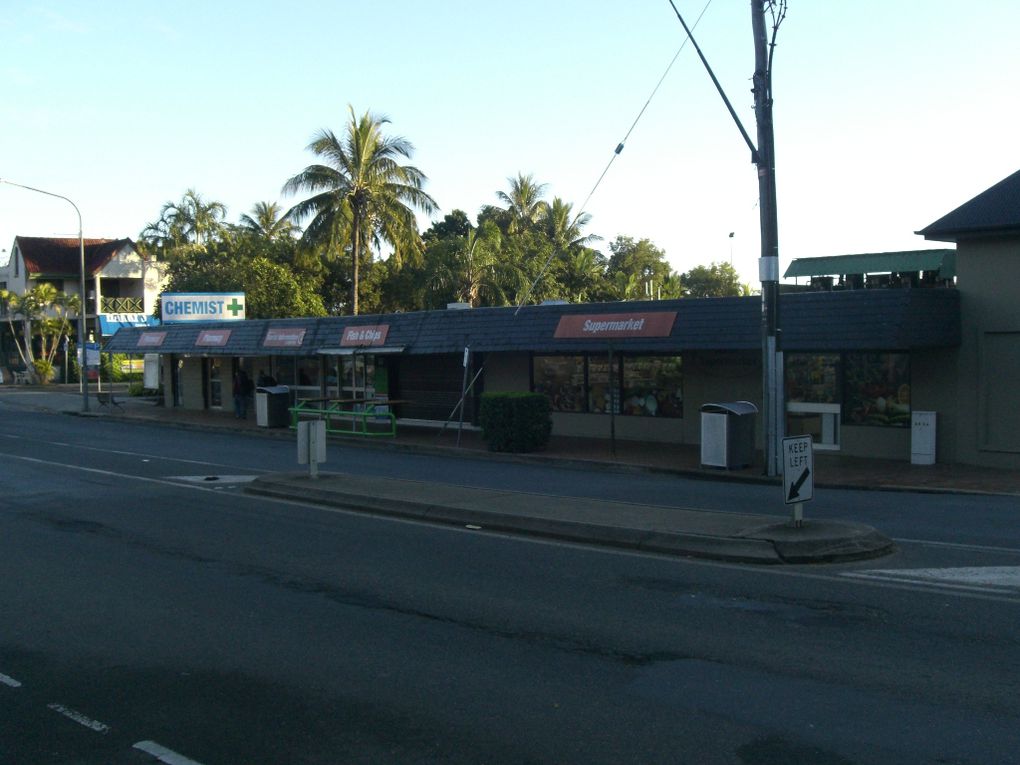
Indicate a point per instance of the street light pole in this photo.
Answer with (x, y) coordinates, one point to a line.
(82, 310)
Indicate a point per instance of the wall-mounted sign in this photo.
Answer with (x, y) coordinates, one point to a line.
(109, 323)
(151, 339)
(201, 306)
(366, 334)
(283, 337)
(614, 325)
(216, 338)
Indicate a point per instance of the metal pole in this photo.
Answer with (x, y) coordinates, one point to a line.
(463, 391)
(82, 312)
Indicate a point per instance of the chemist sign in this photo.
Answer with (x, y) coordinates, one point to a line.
(201, 306)
(798, 469)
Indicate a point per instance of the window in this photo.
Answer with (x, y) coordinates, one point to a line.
(653, 386)
(650, 386)
(877, 389)
(561, 378)
(858, 388)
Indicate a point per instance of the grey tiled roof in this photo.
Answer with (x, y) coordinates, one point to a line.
(995, 211)
(888, 319)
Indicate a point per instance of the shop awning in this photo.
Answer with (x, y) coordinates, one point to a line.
(943, 261)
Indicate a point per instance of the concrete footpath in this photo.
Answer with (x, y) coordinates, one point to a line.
(721, 536)
(697, 533)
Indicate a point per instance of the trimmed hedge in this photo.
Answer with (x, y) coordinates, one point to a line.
(515, 422)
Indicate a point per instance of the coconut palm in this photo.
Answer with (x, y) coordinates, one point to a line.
(361, 194)
(268, 221)
(192, 219)
(524, 204)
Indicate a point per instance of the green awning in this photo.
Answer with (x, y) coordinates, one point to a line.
(943, 261)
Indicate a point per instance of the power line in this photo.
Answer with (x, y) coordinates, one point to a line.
(617, 151)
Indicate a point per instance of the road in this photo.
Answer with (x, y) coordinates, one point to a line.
(151, 611)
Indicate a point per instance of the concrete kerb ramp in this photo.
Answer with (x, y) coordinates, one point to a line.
(743, 538)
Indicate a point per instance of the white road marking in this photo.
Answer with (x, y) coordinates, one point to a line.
(163, 754)
(1000, 579)
(79, 718)
(8, 680)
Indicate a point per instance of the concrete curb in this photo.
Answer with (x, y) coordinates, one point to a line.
(763, 544)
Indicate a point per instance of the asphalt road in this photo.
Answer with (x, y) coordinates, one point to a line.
(148, 608)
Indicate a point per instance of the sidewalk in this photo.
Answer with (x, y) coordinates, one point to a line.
(721, 536)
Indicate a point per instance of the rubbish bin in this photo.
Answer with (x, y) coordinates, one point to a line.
(727, 434)
(272, 405)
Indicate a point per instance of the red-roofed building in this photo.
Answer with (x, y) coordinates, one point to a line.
(119, 281)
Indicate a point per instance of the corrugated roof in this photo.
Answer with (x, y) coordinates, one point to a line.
(993, 212)
(893, 319)
(62, 257)
(943, 261)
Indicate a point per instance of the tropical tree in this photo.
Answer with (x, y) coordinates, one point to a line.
(42, 313)
(525, 207)
(268, 221)
(637, 268)
(715, 280)
(191, 220)
(472, 267)
(361, 194)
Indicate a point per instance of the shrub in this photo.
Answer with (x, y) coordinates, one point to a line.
(515, 422)
(43, 370)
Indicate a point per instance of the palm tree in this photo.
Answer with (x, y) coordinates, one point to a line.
(269, 222)
(563, 230)
(362, 195)
(525, 207)
(42, 312)
(474, 267)
(192, 219)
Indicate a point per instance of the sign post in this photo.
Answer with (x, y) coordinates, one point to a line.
(798, 475)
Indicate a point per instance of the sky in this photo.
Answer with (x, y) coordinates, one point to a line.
(887, 114)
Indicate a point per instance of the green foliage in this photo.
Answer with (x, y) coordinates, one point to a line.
(274, 283)
(515, 422)
(43, 370)
(715, 280)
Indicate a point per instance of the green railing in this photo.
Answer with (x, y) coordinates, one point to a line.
(123, 305)
(363, 421)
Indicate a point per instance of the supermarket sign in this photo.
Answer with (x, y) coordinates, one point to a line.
(179, 307)
(614, 325)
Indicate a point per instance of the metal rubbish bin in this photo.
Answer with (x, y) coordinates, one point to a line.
(727, 434)
(272, 406)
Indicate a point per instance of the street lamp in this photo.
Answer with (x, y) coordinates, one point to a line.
(82, 310)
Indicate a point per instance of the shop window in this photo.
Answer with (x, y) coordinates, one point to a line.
(603, 388)
(306, 371)
(561, 378)
(285, 370)
(877, 389)
(653, 386)
(812, 378)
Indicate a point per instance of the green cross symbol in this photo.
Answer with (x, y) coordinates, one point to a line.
(234, 307)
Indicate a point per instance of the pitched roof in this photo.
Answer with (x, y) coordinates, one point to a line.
(44, 255)
(893, 319)
(993, 212)
(943, 261)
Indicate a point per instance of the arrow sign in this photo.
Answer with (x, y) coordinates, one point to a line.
(798, 469)
(795, 488)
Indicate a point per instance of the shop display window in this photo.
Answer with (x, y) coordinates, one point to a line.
(307, 371)
(812, 378)
(653, 386)
(650, 386)
(603, 391)
(877, 389)
(561, 378)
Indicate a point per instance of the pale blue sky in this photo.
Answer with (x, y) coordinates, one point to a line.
(888, 113)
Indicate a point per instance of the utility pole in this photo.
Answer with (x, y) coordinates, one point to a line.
(768, 263)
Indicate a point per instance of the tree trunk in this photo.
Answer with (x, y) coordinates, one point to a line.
(356, 252)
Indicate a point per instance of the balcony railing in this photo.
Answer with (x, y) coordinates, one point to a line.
(123, 305)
